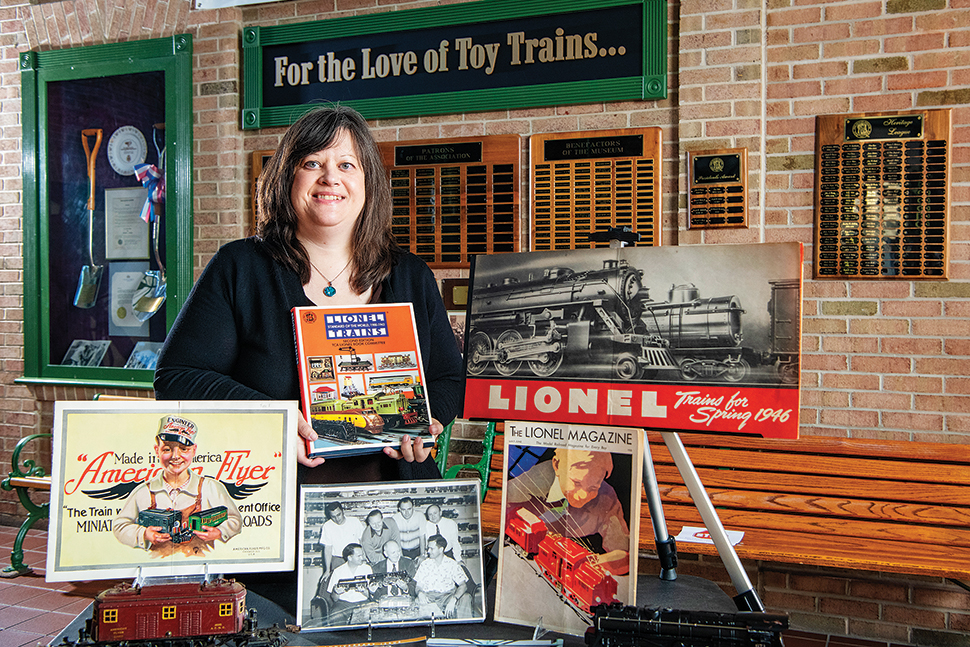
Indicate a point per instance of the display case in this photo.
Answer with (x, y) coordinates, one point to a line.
(107, 169)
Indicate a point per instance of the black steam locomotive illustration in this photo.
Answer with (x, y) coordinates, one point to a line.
(603, 323)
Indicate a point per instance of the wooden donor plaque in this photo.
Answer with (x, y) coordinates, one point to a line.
(454, 198)
(717, 188)
(584, 182)
(882, 195)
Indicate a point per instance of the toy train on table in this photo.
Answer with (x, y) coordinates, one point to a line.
(170, 521)
(615, 625)
(568, 567)
(603, 323)
(196, 614)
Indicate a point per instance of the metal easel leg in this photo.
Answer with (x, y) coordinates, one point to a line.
(747, 598)
(666, 545)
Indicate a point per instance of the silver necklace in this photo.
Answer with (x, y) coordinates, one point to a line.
(329, 291)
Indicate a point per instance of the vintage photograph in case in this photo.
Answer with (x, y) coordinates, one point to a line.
(386, 554)
(146, 488)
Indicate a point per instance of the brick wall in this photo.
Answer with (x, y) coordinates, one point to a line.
(886, 359)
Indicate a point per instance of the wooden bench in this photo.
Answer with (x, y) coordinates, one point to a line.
(872, 505)
(24, 477)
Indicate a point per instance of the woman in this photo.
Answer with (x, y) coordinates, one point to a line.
(323, 237)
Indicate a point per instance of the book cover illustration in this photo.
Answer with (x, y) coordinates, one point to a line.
(171, 488)
(570, 518)
(362, 384)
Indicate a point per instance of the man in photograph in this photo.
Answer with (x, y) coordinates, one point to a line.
(378, 532)
(395, 562)
(570, 494)
(176, 488)
(348, 586)
(438, 524)
(441, 583)
(411, 528)
(338, 531)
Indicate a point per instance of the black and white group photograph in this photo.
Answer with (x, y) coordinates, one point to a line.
(390, 554)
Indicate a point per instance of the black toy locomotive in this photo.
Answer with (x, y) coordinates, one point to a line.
(616, 625)
(603, 323)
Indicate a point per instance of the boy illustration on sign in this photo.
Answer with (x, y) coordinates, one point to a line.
(570, 494)
(177, 510)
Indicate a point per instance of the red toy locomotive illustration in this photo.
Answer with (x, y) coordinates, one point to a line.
(189, 614)
(569, 568)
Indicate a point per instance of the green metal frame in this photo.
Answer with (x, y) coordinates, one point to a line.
(652, 85)
(35, 511)
(482, 466)
(171, 55)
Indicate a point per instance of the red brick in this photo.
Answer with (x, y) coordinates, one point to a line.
(912, 421)
(882, 401)
(850, 608)
(879, 364)
(913, 384)
(917, 80)
(909, 614)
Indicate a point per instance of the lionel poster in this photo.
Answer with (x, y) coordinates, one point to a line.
(697, 338)
(171, 488)
(570, 517)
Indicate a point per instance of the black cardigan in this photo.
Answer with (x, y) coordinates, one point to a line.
(233, 339)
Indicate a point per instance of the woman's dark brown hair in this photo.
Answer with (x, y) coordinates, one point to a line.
(373, 247)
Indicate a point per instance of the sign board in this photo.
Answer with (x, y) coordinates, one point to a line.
(490, 55)
(882, 195)
(658, 337)
(454, 198)
(590, 181)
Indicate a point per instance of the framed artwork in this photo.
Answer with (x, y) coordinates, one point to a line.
(639, 337)
(380, 554)
(234, 465)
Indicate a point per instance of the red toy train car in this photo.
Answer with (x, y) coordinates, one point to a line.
(185, 614)
(570, 568)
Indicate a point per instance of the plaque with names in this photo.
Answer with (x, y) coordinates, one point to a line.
(454, 198)
(717, 188)
(882, 195)
(585, 182)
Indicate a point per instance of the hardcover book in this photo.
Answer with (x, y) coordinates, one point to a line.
(570, 518)
(362, 384)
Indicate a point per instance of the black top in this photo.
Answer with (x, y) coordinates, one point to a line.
(234, 339)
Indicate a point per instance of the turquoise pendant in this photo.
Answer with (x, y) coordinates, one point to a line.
(329, 291)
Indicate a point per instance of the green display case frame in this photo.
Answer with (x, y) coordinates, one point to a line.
(170, 56)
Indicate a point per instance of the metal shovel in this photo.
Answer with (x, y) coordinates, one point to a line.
(150, 293)
(90, 280)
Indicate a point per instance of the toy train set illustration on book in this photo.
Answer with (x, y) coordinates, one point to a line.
(362, 384)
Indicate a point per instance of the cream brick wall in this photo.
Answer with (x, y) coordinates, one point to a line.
(880, 359)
